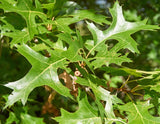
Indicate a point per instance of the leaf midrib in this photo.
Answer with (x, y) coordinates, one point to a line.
(41, 74)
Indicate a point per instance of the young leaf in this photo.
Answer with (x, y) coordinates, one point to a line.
(43, 72)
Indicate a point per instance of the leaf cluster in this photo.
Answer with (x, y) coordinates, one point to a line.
(83, 67)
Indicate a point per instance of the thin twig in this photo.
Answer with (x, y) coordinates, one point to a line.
(125, 82)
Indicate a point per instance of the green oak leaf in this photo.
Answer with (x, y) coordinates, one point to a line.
(27, 119)
(154, 99)
(40, 47)
(49, 7)
(18, 37)
(75, 44)
(152, 81)
(54, 7)
(138, 113)
(45, 40)
(156, 87)
(122, 71)
(6, 27)
(89, 45)
(29, 12)
(119, 30)
(12, 118)
(78, 15)
(14, 20)
(90, 15)
(101, 94)
(24, 119)
(84, 115)
(43, 72)
(107, 57)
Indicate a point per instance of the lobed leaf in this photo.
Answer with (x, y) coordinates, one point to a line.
(119, 30)
(27, 119)
(29, 12)
(43, 72)
(138, 113)
(78, 15)
(101, 94)
(24, 119)
(85, 113)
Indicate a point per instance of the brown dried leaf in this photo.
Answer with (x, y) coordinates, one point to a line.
(50, 108)
(67, 79)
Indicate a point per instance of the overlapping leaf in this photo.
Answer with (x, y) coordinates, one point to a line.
(84, 115)
(108, 57)
(101, 94)
(29, 12)
(90, 15)
(28, 119)
(138, 113)
(18, 37)
(5, 28)
(152, 81)
(75, 44)
(119, 30)
(78, 15)
(24, 119)
(43, 72)
(12, 118)
(122, 71)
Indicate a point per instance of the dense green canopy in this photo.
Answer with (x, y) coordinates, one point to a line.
(80, 61)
